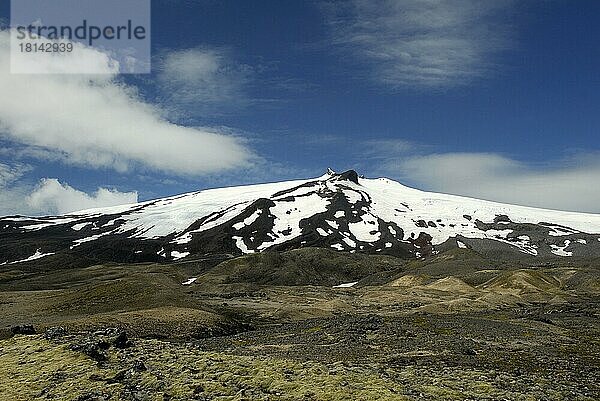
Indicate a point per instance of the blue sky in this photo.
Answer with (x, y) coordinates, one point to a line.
(497, 100)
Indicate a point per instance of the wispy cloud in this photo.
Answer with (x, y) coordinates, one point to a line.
(422, 43)
(571, 183)
(383, 148)
(99, 122)
(10, 173)
(11, 194)
(205, 80)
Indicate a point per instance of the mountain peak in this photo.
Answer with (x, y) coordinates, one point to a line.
(349, 175)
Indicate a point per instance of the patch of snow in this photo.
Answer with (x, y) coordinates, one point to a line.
(37, 255)
(557, 231)
(305, 207)
(239, 242)
(339, 247)
(339, 214)
(524, 244)
(248, 220)
(111, 222)
(350, 242)
(322, 232)
(346, 285)
(178, 255)
(353, 196)
(78, 242)
(54, 221)
(561, 250)
(189, 281)
(362, 230)
(333, 224)
(79, 226)
(461, 244)
(183, 239)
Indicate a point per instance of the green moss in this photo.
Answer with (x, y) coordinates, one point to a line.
(444, 331)
(420, 321)
(32, 367)
(314, 329)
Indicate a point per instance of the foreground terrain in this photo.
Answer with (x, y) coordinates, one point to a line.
(308, 324)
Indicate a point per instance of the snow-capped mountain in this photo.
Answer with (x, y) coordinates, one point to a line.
(339, 211)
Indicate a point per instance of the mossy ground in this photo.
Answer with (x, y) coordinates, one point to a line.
(34, 368)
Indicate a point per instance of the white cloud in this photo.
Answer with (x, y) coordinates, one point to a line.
(53, 197)
(421, 43)
(50, 196)
(570, 184)
(202, 79)
(97, 121)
